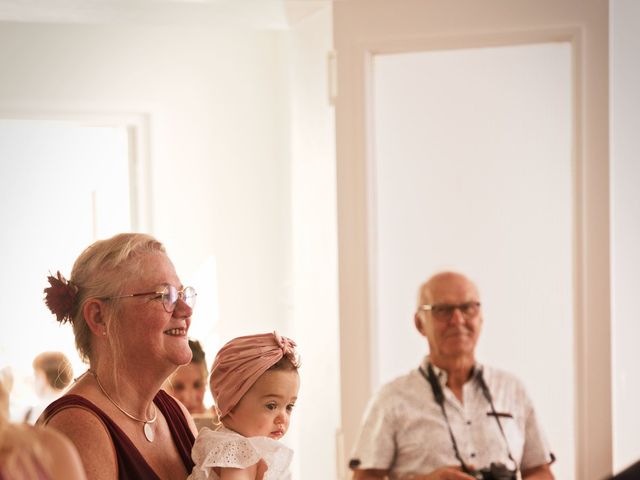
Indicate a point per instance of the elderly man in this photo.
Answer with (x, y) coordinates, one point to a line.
(451, 417)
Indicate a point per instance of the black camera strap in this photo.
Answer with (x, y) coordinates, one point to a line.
(487, 395)
(438, 394)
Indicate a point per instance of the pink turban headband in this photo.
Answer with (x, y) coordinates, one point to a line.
(240, 363)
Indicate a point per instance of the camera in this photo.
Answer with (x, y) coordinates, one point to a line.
(496, 471)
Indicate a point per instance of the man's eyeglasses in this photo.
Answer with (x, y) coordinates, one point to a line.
(444, 311)
(169, 296)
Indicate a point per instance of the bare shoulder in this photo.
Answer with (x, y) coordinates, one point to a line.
(89, 435)
(62, 461)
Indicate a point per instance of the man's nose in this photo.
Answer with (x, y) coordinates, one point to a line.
(457, 316)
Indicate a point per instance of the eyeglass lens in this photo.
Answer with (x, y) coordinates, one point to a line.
(445, 311)
(171, 295)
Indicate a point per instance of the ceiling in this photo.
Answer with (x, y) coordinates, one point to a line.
(258, 14)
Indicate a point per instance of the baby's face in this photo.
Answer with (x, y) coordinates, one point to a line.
(265, 410)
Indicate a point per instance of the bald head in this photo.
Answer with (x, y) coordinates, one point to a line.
(445, 285)
(453, 321)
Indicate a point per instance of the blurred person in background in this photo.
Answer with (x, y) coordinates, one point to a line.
(33, 453)
(53, 374)
(188, 385)
(452, 418)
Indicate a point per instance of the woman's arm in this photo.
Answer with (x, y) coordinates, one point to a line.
(91, 439)
(249, 473)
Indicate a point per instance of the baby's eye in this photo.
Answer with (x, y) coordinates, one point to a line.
(290, 407)
(271, 406)
(178, 387)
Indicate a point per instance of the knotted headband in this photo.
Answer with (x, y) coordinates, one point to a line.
(240, 363)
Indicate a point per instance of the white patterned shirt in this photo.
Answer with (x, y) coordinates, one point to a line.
(404, 430)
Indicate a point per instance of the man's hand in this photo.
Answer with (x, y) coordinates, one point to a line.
(444, 473)
(543, 472)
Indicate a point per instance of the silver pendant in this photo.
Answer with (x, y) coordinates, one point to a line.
(148, 432)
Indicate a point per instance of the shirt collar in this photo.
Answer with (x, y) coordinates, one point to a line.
(442, 375)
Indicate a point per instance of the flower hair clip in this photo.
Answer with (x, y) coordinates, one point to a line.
(60, 297)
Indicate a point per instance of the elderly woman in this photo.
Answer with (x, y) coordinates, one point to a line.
(130, 316)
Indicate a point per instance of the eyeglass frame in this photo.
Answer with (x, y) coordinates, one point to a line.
(180, 295)
(450, 308)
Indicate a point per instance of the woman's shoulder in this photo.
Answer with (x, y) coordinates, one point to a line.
(81, 422)
(74, 412)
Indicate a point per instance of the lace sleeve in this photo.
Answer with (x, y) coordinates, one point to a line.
(223, 449)
(276, 455)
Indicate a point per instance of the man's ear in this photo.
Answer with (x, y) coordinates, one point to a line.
(417, 320)
(94, 314)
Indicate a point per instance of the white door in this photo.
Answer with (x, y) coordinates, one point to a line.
(527, 216)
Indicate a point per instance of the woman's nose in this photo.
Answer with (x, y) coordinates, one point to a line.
(182, 310)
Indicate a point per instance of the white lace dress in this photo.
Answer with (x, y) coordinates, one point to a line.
(226, 448)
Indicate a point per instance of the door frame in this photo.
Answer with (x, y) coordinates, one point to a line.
(137, 127)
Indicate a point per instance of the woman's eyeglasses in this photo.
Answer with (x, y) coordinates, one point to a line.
(169, 296)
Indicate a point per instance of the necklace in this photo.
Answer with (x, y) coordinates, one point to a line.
(147, 430)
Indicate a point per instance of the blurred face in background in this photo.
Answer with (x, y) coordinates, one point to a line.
(188, 385)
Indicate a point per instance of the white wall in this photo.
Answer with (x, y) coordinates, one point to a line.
(314, 253)
(625, 227)
(217, 141)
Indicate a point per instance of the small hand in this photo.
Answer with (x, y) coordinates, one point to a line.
(261, 470)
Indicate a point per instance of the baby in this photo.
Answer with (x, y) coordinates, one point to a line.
(254, 381)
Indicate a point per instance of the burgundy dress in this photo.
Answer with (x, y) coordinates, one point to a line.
(131, 464)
